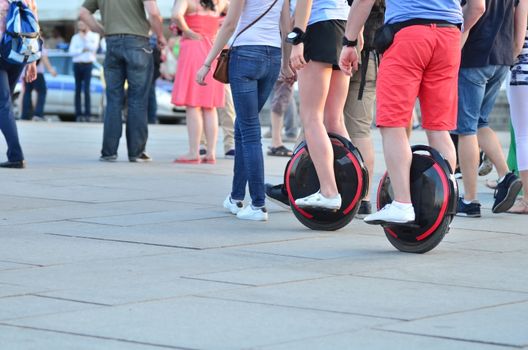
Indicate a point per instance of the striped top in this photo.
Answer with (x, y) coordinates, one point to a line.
(4, 7)
(519, 71)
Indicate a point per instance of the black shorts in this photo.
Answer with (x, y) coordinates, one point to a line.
(323, 42)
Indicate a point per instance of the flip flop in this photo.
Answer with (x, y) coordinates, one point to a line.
(182, 160)
(491, 184)
(208, 161)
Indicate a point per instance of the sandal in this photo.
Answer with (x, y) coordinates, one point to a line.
(183, 160)
(280, 151)
(208, 161)
(520, 207)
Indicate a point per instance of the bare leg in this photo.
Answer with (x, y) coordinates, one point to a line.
(366, 148)
(210, 122)
(398, 158)
(490, 144)
(468, 154)
(194, 130)
(276, 129)
(314, 83)
(441, 141)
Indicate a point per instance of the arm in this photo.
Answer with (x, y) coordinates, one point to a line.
(302, 15)
(472, 10)
(226, 31)
(45, 61)
(156, 21)
(359, 12)
(87, 17)
(521, 19)
(285, 28)
(178, 16)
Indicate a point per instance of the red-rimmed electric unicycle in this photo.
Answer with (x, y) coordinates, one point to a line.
(300, 179)
(434, 194)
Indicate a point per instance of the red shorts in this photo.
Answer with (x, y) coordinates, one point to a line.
(423, 63)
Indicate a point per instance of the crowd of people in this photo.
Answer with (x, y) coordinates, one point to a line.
(346, 56)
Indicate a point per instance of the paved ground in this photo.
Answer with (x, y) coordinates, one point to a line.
(142, 256)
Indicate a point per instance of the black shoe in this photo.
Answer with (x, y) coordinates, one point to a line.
(365, 208)
(471, 210)
(112, 158)
(506, 193)
(19, 164)
(203, 151)
(277, 194)
(142, 158)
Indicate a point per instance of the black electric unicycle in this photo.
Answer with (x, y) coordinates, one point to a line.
(434, 194)
(300, 180)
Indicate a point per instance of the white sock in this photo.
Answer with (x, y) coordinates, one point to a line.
(401, 205)
(466, 202)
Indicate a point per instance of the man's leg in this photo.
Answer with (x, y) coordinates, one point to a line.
(87, 79)
(226, 117)
(77, 74)
(139, 66)
(42, 90)
(115, 75)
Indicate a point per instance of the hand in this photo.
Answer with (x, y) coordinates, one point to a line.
(297, 57)
(53, 72)
(189, 34)
(288, 75)
(162, 43)
(349, 60)
(31, 72)
(202, 73)
(173, 27)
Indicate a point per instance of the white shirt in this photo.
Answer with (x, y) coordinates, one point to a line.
(325, 10)
(266, 31)
(83, 48)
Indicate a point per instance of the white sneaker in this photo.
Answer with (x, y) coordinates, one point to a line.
(233, 206)
(391, 214)
(255, 214)
(318, 201)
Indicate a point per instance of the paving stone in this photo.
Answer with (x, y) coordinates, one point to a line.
(381, 340)
(511, 330)
(202, 323)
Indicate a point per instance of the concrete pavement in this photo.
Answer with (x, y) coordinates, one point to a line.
(142, 256)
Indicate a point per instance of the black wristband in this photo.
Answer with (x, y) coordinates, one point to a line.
(296, 36)
(349, 43)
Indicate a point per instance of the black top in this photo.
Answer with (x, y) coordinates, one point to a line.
(490, 41)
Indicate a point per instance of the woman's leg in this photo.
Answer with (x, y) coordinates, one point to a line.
(334, 119)
(314, 83)
(210, 122)
(194, 130)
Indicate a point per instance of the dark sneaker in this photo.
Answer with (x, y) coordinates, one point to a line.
(203, 150)
(19, 164)
(230, 154)
(471, 210)
(111, 158)
(142, 158)
(365, 208)
(506, 193)
(277, 194)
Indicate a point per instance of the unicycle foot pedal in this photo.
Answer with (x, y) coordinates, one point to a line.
(409, 225)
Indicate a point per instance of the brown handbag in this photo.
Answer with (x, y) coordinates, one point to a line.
(221, 72)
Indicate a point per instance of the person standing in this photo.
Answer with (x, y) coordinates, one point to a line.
(199, 22)
(83, 48)
(9, 75)
(126, 25)
(254, 65)
(421, 62)
(486, 59)
(40, 87)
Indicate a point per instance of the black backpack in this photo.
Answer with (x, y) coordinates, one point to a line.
(373, 23)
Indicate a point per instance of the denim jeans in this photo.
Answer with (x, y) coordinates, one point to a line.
(128, 58)
(9, 75)
(152, 104)
(39, 85)
(477, 91)
(253, 71)
(83, 76)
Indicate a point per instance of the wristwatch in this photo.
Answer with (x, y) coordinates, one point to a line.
(296, 36)
(349, 43)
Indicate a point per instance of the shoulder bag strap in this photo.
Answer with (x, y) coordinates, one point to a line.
(255, 21)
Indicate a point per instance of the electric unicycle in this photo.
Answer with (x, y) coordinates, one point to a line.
(300, 179)
(434, 194)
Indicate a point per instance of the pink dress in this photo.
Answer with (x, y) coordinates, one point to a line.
(186, 91)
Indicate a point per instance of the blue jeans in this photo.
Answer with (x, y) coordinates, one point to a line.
(9, 75)
(128, 58)
(39, 85)
(477, 91)
(83, 77)
(152, 104)
(253, 71)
